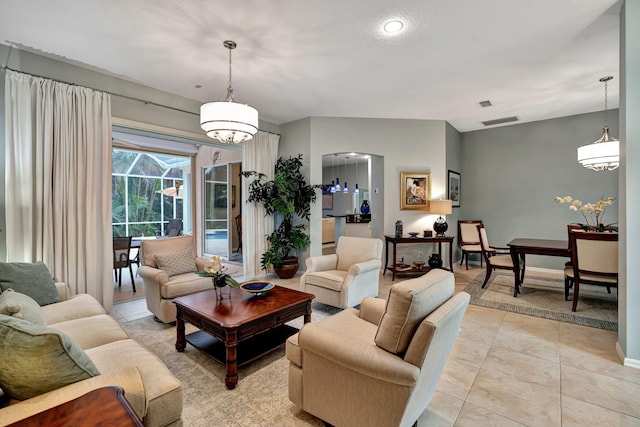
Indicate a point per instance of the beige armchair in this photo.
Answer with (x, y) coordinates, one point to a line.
(378, 366)
(343, 279)
(168, 271)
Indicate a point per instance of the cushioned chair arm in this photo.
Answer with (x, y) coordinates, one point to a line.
(154, 274)
(363, 267)
(63, 291)
(372, 309)
(129, 379)
(365, 359)
(322, 263)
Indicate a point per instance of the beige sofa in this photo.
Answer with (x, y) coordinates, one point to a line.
(378, 366)
(177, 278)
(151, 389)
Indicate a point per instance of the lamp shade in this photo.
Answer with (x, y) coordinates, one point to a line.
(228, 121)
(441, 207)
(600, 155)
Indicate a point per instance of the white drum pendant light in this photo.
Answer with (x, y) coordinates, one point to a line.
(603, 154)
(228, 121)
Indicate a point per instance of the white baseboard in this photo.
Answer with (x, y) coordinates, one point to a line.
(633, 363)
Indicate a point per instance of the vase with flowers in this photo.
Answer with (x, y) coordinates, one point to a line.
(216, 270)
(593, 213)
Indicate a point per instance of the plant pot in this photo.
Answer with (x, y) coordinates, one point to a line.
(288, 269)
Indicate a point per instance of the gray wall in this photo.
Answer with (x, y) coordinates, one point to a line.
(403, 145)
(511, 174)
(629, 293)
(454, 163)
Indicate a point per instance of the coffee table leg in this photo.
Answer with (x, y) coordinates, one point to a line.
(231, 363)
(181, 341)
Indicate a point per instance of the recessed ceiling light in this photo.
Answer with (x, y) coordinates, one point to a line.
(393, 26)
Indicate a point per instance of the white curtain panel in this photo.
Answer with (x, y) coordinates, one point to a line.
(58, 181)
(260, 155)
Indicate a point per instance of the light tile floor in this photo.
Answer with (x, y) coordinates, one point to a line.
(509, 369)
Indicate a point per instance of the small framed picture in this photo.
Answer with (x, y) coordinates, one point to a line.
(415, 190)
(453, 188)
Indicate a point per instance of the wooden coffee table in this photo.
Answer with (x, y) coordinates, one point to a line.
(101, 407)
(241, 327)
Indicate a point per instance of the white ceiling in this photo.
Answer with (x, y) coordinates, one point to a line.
(534, 59)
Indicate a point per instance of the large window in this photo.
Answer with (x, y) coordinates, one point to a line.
(148, 189)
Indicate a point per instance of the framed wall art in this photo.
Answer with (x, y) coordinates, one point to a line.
(415, 190)
(453, 188)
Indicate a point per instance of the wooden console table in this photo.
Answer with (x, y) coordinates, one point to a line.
(105, 406)
(406, 239)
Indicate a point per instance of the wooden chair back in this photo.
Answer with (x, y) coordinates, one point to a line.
(121, 250)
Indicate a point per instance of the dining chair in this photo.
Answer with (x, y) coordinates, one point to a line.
(568, 266)
(238, 221)
(496, 258)
(121, 259)
(594, 256)
(469, 240)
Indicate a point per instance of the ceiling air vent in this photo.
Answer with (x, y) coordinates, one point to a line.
(500, 121)
(485, 104)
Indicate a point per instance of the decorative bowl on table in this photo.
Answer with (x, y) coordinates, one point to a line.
(418, 264)
(257, 287)
(413, 234)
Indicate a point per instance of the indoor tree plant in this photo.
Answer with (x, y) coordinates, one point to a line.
(287, 196)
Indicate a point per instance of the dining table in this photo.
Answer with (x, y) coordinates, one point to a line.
(521, 246)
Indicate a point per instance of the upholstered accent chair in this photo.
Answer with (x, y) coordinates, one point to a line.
(496, 257)
(378, 366)
(168, 271)
(594, 259)
(343, 279)
(468, 238)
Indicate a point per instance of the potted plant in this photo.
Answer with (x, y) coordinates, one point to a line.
(287, 196)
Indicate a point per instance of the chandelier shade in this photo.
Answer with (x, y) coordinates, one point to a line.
(601, 155)
(604, 153)
(228, 121)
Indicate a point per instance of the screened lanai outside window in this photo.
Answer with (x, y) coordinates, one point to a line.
(148, 189)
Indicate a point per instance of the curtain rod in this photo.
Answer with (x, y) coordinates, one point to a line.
(117, 94)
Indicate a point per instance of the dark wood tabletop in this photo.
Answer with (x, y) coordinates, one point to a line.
(239, 327)
(105, 406)
(521, 246)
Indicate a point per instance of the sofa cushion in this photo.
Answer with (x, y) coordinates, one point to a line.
(35, 359)
(21, 306)
(31, 279)
(76, 307)
(330, 279)
(408, 304)
(83, 331)
(184, 284)
(178, 262)
(163, 391)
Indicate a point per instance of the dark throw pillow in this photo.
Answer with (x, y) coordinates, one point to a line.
(32, 279)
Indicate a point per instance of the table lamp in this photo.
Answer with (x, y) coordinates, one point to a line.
(441, 207)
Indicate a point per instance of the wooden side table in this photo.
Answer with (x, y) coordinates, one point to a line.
(102, 407)
(406, 239)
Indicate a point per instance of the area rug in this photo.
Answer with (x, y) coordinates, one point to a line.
(544, 297)
(260, 398)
